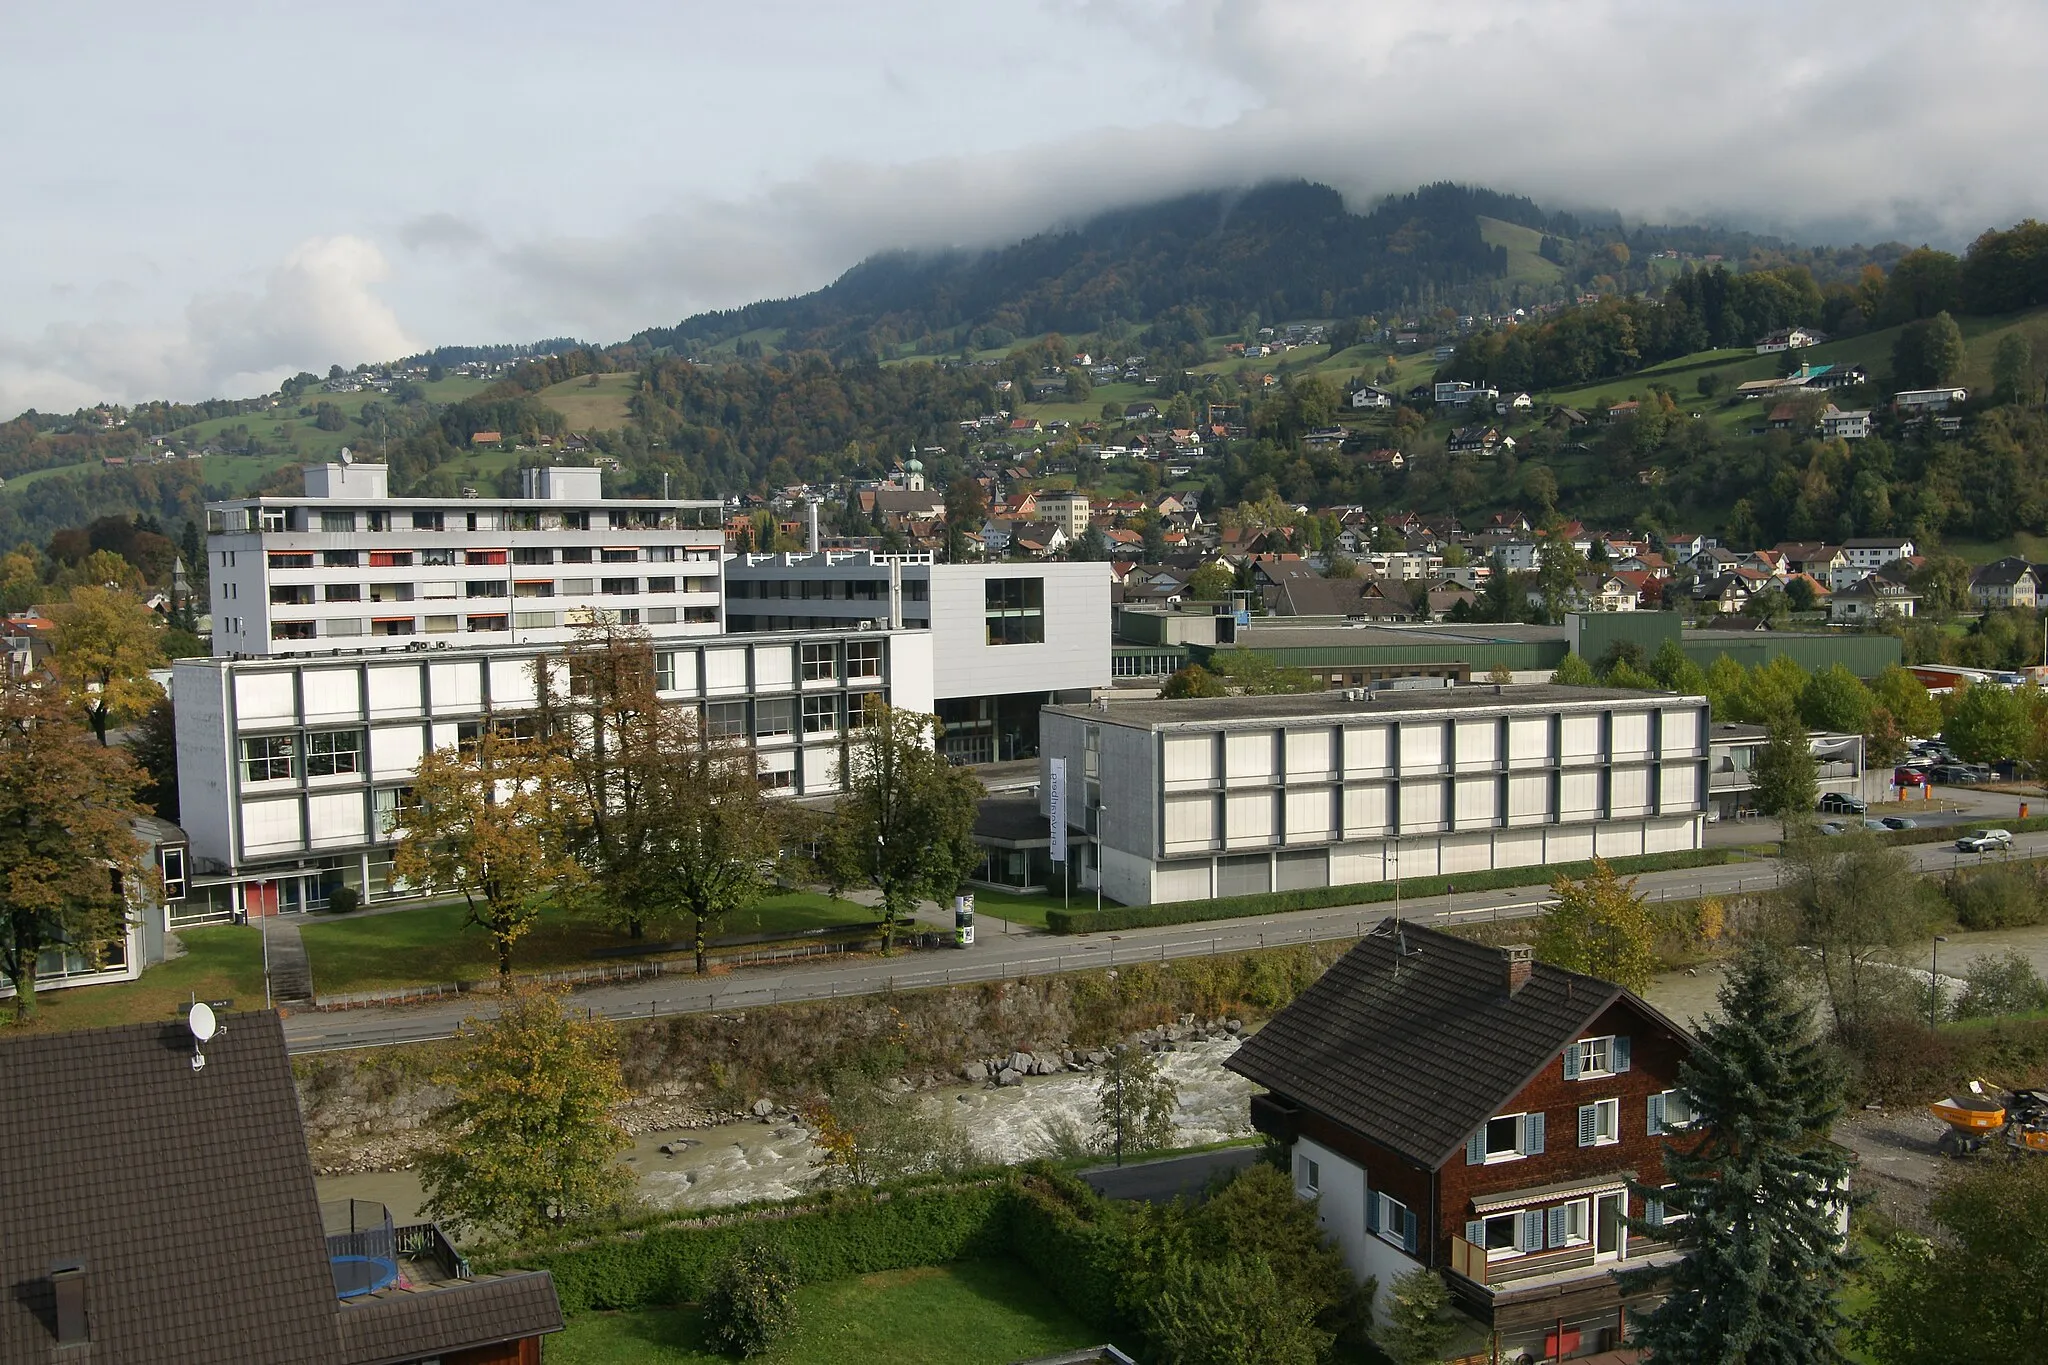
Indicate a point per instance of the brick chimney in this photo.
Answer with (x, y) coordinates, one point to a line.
(1521, 960)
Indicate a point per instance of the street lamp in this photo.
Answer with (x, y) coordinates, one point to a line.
(1934, 986)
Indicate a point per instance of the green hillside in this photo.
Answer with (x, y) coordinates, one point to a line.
(594, 402)
(1525, 261)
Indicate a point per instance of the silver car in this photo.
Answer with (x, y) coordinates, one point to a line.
(1984, 840)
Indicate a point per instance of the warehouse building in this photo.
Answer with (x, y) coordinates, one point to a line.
(1181, 800)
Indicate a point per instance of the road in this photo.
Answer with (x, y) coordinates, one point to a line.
(1007, 956)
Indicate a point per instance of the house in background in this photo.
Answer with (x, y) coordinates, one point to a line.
(1788, 339)
(1469, 1110)
(2008, 582)
(1917, 401)
(1873, 599)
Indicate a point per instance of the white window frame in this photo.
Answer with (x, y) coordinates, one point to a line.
(1608, 1110)
(1665, 1215)
(1515, 1221)
(1661, 1120)
(1393, 1220)
(1308, 1175)
(1583, 1236)
(1517, 1152)
(271, 755)
(1589, 1048)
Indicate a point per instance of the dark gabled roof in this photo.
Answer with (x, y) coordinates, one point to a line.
(1416, 1059)
(2001, 573)
(187, 1194)
(408, 1324)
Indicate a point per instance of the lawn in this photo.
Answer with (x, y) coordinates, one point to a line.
(220, 962)
(1011, 905)
(431, 944)
(593, 406)
(971, 1313)
(1526, 264)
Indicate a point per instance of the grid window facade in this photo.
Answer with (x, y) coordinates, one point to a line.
(821, 715)
(333, 752)
(864, 659)
(271, 758)
(821, 663)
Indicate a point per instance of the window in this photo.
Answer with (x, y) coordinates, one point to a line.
(1390, 1220)
(576, 587)
(483, 557)
(726, 720)
(333, 752)
(1657, 1211)
(1589, 1058)
(487, 623)
(1015, 610)
(291, 559)
(860, 708)
(427, 521)
(534, 620)
(391, 625)
(533, 587)
(576, 521)
(700, 616)
(533, 556)
(1508, 1137)
(821, 663)
(273, 518)
(441, 625)
(299, 596)
(665, 671)
(661, 585)
(171, 859)
(621, 556)
(338, 559)
(1570, 1225)
(864, 659)
(486, 587)
(821, 715)
(661, 554)
(1500, 1235)
(291, 630)
(1599, 1123)
(335, 523)
(1669, 1112)
(576, 554)
(391, 559)
(385, 804)
(619, 587)
(778, 779)
(1308, 1174)
(773, 717)
(269, 759)
(344, 592)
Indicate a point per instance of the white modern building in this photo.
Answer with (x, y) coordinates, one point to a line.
(1182, 800)
(355, 632)
(1006, 638)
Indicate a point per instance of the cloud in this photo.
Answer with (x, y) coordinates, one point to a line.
(316, 307)
(440, 231)
(1777, 117)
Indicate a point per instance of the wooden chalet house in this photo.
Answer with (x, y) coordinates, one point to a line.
(1471, 1110)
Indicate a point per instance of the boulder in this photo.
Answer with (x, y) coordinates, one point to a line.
(1009, 1076)
(973, 1072)
(763, 1108)
(1019, 1062)
(1233, 1026)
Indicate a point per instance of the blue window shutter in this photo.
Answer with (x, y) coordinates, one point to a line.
(1656, 1114)
(1532, 1134)
(1475, 1149)
(1571, 1061)
(1372, 1212)
(1588, 1124)
(1475, 1232)
(1408, 1230)
(1557, 1226)
(1620, 1052)
(1653, 1212)
(1532, 1230)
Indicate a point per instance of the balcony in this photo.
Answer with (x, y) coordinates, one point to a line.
(367, 1252)
(1544, 1273)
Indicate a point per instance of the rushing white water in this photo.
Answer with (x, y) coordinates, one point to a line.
(735, 1163)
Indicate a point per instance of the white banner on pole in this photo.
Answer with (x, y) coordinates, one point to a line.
(1056, 808)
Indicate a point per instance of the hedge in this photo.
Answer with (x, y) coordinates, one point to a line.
(1085, 921)
(852, 1234)
(1942, 834)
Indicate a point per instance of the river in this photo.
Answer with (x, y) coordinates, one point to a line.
(752, 1159)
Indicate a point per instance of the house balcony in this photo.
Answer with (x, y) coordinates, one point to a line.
(1485, 1287)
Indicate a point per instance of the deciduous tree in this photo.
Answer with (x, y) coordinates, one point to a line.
(68, 850)
(1601, 927)
(1852, 903)
(496, 821)
(106, 643)
(1989, 723)
(529, 1138)
(1135, 1102)
(1786, 775)
(1757, 1188)
(905, 825)
(1979, 1292)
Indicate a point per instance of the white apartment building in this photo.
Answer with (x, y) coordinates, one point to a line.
(1185, 800)
(1006, 638)
(347, 565)
(299, 739)
(1069, 511)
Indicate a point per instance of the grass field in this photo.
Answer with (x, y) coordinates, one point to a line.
(971, 1313)
(1525, 261)
(221, 962)
(431, 944)
(1010, 905)
(593, 406)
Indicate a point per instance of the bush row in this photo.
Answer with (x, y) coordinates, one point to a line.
(831, 1240)
(1901, 1061)
(1942, 834)
(1084, 921)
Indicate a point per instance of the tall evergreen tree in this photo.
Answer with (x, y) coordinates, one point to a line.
(1757, 1188)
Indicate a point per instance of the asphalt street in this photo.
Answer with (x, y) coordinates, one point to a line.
(1007, 952)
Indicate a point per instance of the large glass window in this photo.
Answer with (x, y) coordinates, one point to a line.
(726, 720)
(272, 758)
(821, 715)
(385, 804)
(864, 659)
(821, 663)
(332, 752)
(1016, 611)
(533, 555)
(775, 716)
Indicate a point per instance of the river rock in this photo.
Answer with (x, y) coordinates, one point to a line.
(1233, 1026)
(973, 1072)
(763, 1108)
(1009, 1075)
(1096, 1057)
(1019, 1062)
(678, 1147)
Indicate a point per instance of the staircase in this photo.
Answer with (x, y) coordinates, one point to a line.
(291, 976)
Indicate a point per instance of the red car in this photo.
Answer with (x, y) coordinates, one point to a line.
(1909, 777)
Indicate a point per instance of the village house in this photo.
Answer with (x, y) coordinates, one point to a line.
(1837, 425)
(1928, 400)
(1875, 598)
(1366, 398)
(1466, 1109)
(2008, 582)
(1788, 339)
(1874, 552)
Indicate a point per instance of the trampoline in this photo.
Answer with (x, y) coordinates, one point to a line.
(355, 1275)
(362, 1247)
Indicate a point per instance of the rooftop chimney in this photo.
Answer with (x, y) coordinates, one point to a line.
(1521, 960)
(68, 1279)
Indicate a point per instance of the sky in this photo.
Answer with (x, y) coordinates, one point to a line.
(206, 197)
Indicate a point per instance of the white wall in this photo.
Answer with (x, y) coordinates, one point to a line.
(1340, 1211)
(205, 791)
(1075, 655)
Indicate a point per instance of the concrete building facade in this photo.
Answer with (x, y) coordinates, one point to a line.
(1182, 800)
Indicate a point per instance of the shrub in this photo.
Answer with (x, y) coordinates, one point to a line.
(2005, 896)
(749, 1303)
(2007, 984)
(343, 900)
(1418, 1329)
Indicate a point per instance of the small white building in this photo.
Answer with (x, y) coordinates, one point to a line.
(1366, 398)
(1836, 425)
(1929, 400)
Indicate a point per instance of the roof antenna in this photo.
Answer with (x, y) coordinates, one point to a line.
(204, 1027)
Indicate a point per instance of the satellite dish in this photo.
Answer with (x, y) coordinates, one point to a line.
(200, 1020)
(347, 456)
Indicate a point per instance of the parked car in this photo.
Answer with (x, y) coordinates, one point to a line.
(1878, 826)
(1909, 777)
(1900, 822)
(1984, 840)
(1836, 803)
(1960, 774)
(1830, 828)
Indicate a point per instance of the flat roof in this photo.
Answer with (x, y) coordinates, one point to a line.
(1267, 636)
(1337, 705)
